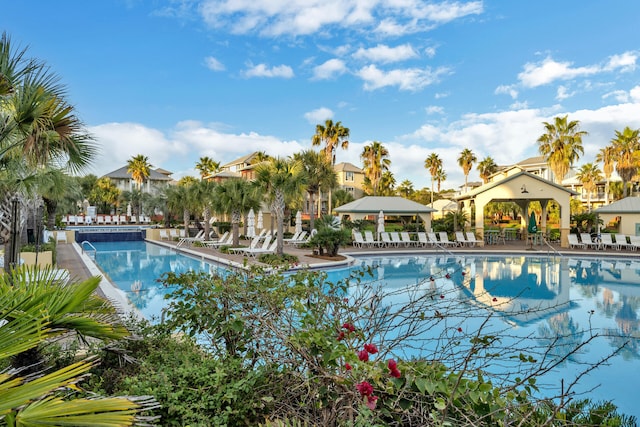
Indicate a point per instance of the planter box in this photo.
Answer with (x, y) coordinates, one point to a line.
(45, 259)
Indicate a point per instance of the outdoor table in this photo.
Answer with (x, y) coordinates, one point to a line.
(491, 237)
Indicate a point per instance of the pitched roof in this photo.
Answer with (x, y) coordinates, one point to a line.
(347, 167)
(123, 174)
(389, 205)
(494, 184)
(240, 160)
(626, 205)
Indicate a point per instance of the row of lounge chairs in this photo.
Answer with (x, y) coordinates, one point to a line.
(389, 239)
(105, 219)
(616, 241)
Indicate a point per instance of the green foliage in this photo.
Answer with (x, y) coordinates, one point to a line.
(276, 260)
(330, 236)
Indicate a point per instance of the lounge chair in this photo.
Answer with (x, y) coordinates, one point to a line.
(100, 220)
(260, 249)
(123, 219)
(575, 243)
(164, 235)
(370, 240)
(471, 239)
(214, 241)
(606, 241)
(433, 239)
(586, 239)
(406, 239)
(444, 239)
(621, 241)
(190, 240)
(423, 240)
(254, 244)
(107, 219)
(634, 242)
(460, 239)
(395, 238)
(386, 239)
(61, 236)
(297, 238)
(220, 243)
(358, 240)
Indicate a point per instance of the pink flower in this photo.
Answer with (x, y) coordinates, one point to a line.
(347, 367)
(364, 388)
(363, 355)
(395, 373)
(371, 348)
(340, 336)
(393, 369)
(371, 402)
(349, 327)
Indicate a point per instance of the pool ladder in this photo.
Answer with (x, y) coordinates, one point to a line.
(88, 243)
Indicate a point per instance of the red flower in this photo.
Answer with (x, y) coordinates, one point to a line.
(363, 355)
(371, 402)
(448, 276)
(459, 329)
(349, 327)
(495, 299)
(346, 300)
(464, 273)
(432, 279)
(442, 296)
(364, 388)
(340, 336)
(371, 348)
(347, 367)
(393, 369)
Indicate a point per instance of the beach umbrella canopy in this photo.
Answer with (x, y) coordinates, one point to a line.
(380, 222)
(260, 221)
(533, 225)
(298, 222)
(128, 209)
(251, 224)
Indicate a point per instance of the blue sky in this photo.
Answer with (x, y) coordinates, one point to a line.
(177, 80)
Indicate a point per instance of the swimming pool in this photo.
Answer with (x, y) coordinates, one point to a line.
(532, 301)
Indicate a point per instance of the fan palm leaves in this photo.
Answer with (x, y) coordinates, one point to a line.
(466, 159)
(433, 164)
(375, 158)
(486, 168)
(561, 144)
(320, 176)
(139, 168)
(236, 197)
(626, 146)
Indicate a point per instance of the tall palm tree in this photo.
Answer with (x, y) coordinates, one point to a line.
(139, 168)
(203, 196)
(626, 146)
(486, 168)
(405, 189)
(434, 164)
(331, 135)
(207, 166)
(235, 197)
(466, 161)
(320, 176)
(180, 199)
(280, 180)
(441, 176)
(54, 186)
(375, 158)
(105, 194)
(606, 157)
(561, 145)
(589, 175)
(387, 184)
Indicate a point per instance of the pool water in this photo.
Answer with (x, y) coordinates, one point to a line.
(526, 301)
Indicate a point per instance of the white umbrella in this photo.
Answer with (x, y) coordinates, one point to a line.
(380, 223)
(251, 224)
(298, 222)
(260, 223)
(128, 209)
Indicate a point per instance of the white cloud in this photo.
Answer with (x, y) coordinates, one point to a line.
(548, 71)
(318, 115)
(410, 79)
(563, 93)
(213, 64)
(626, 62)
(330, 69)
(618, 95)
(434, 109)
(262, 70)
(507, 90)
(635, 94)
(385, 54)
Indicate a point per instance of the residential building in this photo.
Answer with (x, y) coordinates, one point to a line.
(350, 179)
(158, 180)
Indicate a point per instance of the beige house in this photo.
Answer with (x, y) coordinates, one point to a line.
(520, 187)
(626, 212)
(442, 207)
(370, 207)
(158, 180)
(350, 179)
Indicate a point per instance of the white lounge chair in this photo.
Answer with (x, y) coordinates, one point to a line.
(254, 244)
(423, 240)
(406, 239)
(220, 243)
(295, 237)
(634, 242)
(123, 219)
(586, 239)
(574, 242)
(460, 239)
(262, 250)
(214, 241)
(606, 241)
(395, 238)
(164, 235)
(621, 241)
(100, 220)
(253, 251)
(61, 236)
(433, 239)
(370, 240)
(190, 240)
(444, 239)
(386, 239)
(471, 239)
(358, 240)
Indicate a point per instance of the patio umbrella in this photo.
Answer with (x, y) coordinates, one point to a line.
(380, 223)
(298, 222)
(260, 221)
(251, 224)
(533, 225)
(128, 209)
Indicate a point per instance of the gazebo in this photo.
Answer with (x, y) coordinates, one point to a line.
(520, 187)
(395, 206)
(627, 211)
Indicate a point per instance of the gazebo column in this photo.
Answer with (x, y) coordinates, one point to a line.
(565, 222)
(543, 216)
(480, 204)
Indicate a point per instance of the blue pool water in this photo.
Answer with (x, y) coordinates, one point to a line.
(529, 301)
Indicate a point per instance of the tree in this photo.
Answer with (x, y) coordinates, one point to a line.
(606, 157)
(235, 197)
(207, 166)
(280, 180)
(139, 168)
(626, 146)
(179, 199)
(320, 176)
(331, 135)
(486, 168)
(387, 184)
(405, 189)
(441, 176)
(466, 161)
(203, 196)
(375, 158)
(561, 145)
(54, 186)
(105, 194)
(434, 164)
(589, 175)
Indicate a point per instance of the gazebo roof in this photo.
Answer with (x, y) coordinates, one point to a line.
(626, 205)
(389, 205)
(122, 173)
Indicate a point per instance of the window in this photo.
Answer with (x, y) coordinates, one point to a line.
(349, 189)
(348, 176)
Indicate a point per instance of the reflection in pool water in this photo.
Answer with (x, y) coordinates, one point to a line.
(534, 302)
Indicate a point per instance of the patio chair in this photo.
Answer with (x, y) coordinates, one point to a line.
(406, 239)
(252, 251)
(460, 239)
(254, 244)
(262, 250)
(358, 240)
(574, 242)
(586, 239)
(100, 220)
(370, 240)
(444, 239)
(164, 235)
(61, 236)
(471, 239)
(395, 238)
(220, 242)
(433, 239)
(423, 240)
(107, 219)
(123, 219)
(634, 242)
(386, 239)
(621, 241)
(213, 241)
(606, 241)
(297, 238)
(190, 240)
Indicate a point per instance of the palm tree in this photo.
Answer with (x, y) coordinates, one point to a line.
(139, 168)
(179, 199)
(375, 158)
(434, 164)
(203, 196)
(589, 175)
(441, 176)
(466, 161)
(331, 135)
(280, 180)
(235, 197)
(626, 146)
(54, 186)
(207, 166)
(606, 157)
(486, 168)
(405, 189)
(561, 145)
(105, 194)
(320, 176)
(387, 184)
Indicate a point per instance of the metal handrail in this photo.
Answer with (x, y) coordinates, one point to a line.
(95, 251)
(546, 242)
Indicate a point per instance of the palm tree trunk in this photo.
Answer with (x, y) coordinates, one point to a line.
(279, 206)
(207, 226)
(311, 212)
(235, 223)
